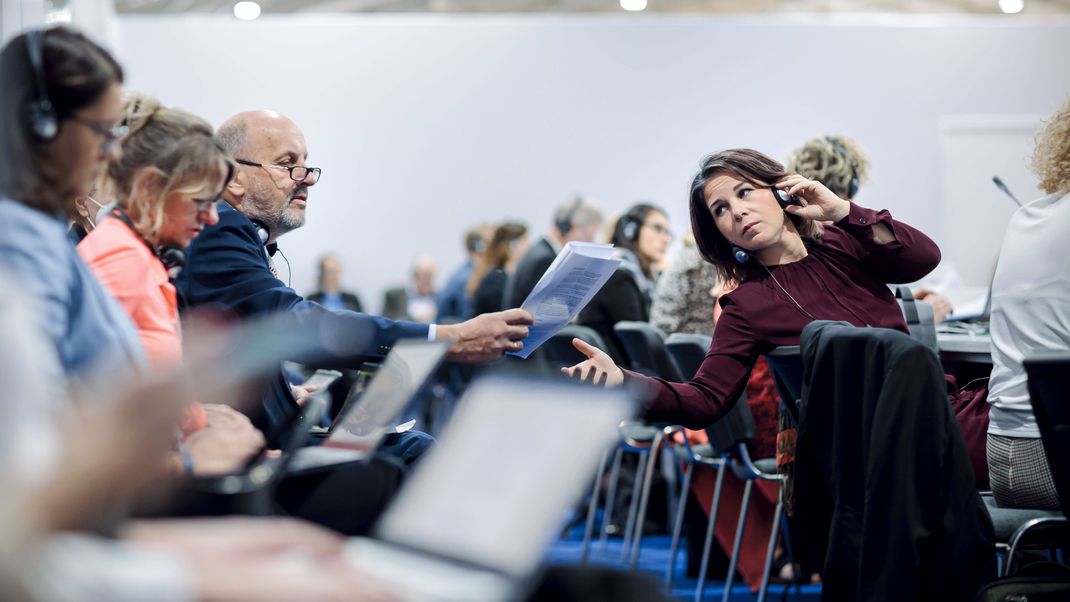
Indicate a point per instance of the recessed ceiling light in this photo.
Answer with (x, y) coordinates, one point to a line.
(247, 11)
(1011, 7)
(633, 5)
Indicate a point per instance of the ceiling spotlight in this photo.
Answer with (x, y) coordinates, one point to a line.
(1011, 7)
(246, 11)
(633, 5)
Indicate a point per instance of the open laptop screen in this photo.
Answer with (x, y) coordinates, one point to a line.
(516, 456)
(364, 421)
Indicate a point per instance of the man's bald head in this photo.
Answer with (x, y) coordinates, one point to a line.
(265, 190)
(234, 132)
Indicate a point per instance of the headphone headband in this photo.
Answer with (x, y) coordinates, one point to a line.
(564, 222)
(40, 114)
(853, 185)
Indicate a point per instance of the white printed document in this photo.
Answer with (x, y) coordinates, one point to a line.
(577, 273)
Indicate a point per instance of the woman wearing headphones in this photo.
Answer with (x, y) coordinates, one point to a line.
(486, 287)
(60, 112)
(167, 180)
(642, 237)
(840, 164)
(760, 226)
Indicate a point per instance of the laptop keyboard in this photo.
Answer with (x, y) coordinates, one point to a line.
(412, 576)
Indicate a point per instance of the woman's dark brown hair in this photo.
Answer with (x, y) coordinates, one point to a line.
(498, 252)
(629, 239)
(751, 166)
(76, 73)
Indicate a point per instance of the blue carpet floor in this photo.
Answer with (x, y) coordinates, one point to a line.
(653, 559)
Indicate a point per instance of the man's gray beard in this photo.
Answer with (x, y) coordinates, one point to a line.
(279, 221)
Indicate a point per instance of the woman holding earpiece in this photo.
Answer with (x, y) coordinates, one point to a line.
(790, 270)
(641, 237)
(486, 287)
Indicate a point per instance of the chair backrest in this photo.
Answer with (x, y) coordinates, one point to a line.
(558, 350)
(735, 427)
(1049, 390)
(644, 345)
(786, 365)
(919, 317)
(688, 351)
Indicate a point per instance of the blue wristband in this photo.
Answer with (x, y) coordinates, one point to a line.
(187, 459)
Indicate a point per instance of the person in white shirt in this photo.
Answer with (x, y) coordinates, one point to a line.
(1030, 312)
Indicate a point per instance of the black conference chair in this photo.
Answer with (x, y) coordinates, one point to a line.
(644, 345)
(635, 438)
(688, 351)
(1018, 529)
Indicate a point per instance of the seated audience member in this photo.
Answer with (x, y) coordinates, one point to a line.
(87, 212)
(416, 301)
(577, 220)
(230, 262)
(330, 293)
(840, 164)
(168, 177)
(1030, 312)
(50, 161)
(486, 286)
(790, 271)
(641, 237)
(454, 303)
(686, 293)
(58, 127)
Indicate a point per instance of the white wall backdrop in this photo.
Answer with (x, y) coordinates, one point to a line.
(424, 125)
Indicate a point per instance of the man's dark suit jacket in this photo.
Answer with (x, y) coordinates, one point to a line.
(531, 267)
(228, 265)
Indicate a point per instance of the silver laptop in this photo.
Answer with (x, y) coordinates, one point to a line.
(474, 520)
(365, 420)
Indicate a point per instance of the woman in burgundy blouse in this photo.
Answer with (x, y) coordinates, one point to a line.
(823, 258)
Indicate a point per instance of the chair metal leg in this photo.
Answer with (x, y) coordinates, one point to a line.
(678, 525)
(670, 470)
(644, 497)
(633, 506)
(611, 498)
(739, 541)
(769, 552)
(592, 507)
(708, 542)
(785, 536)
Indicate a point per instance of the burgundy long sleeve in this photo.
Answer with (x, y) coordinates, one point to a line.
(844, 277)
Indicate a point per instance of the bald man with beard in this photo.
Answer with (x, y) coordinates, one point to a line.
(230, 264)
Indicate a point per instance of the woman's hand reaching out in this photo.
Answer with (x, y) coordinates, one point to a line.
(598, 368)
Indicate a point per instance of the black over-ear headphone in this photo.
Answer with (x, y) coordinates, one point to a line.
(564, 221)
(853, 185)
(629, 227)
(172, 257)
(39, 113)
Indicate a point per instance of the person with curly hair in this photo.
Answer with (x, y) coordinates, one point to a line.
(840, 163)
(1030, 312)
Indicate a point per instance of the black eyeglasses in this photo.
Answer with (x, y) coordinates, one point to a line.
(111, 133)
(298, 173)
